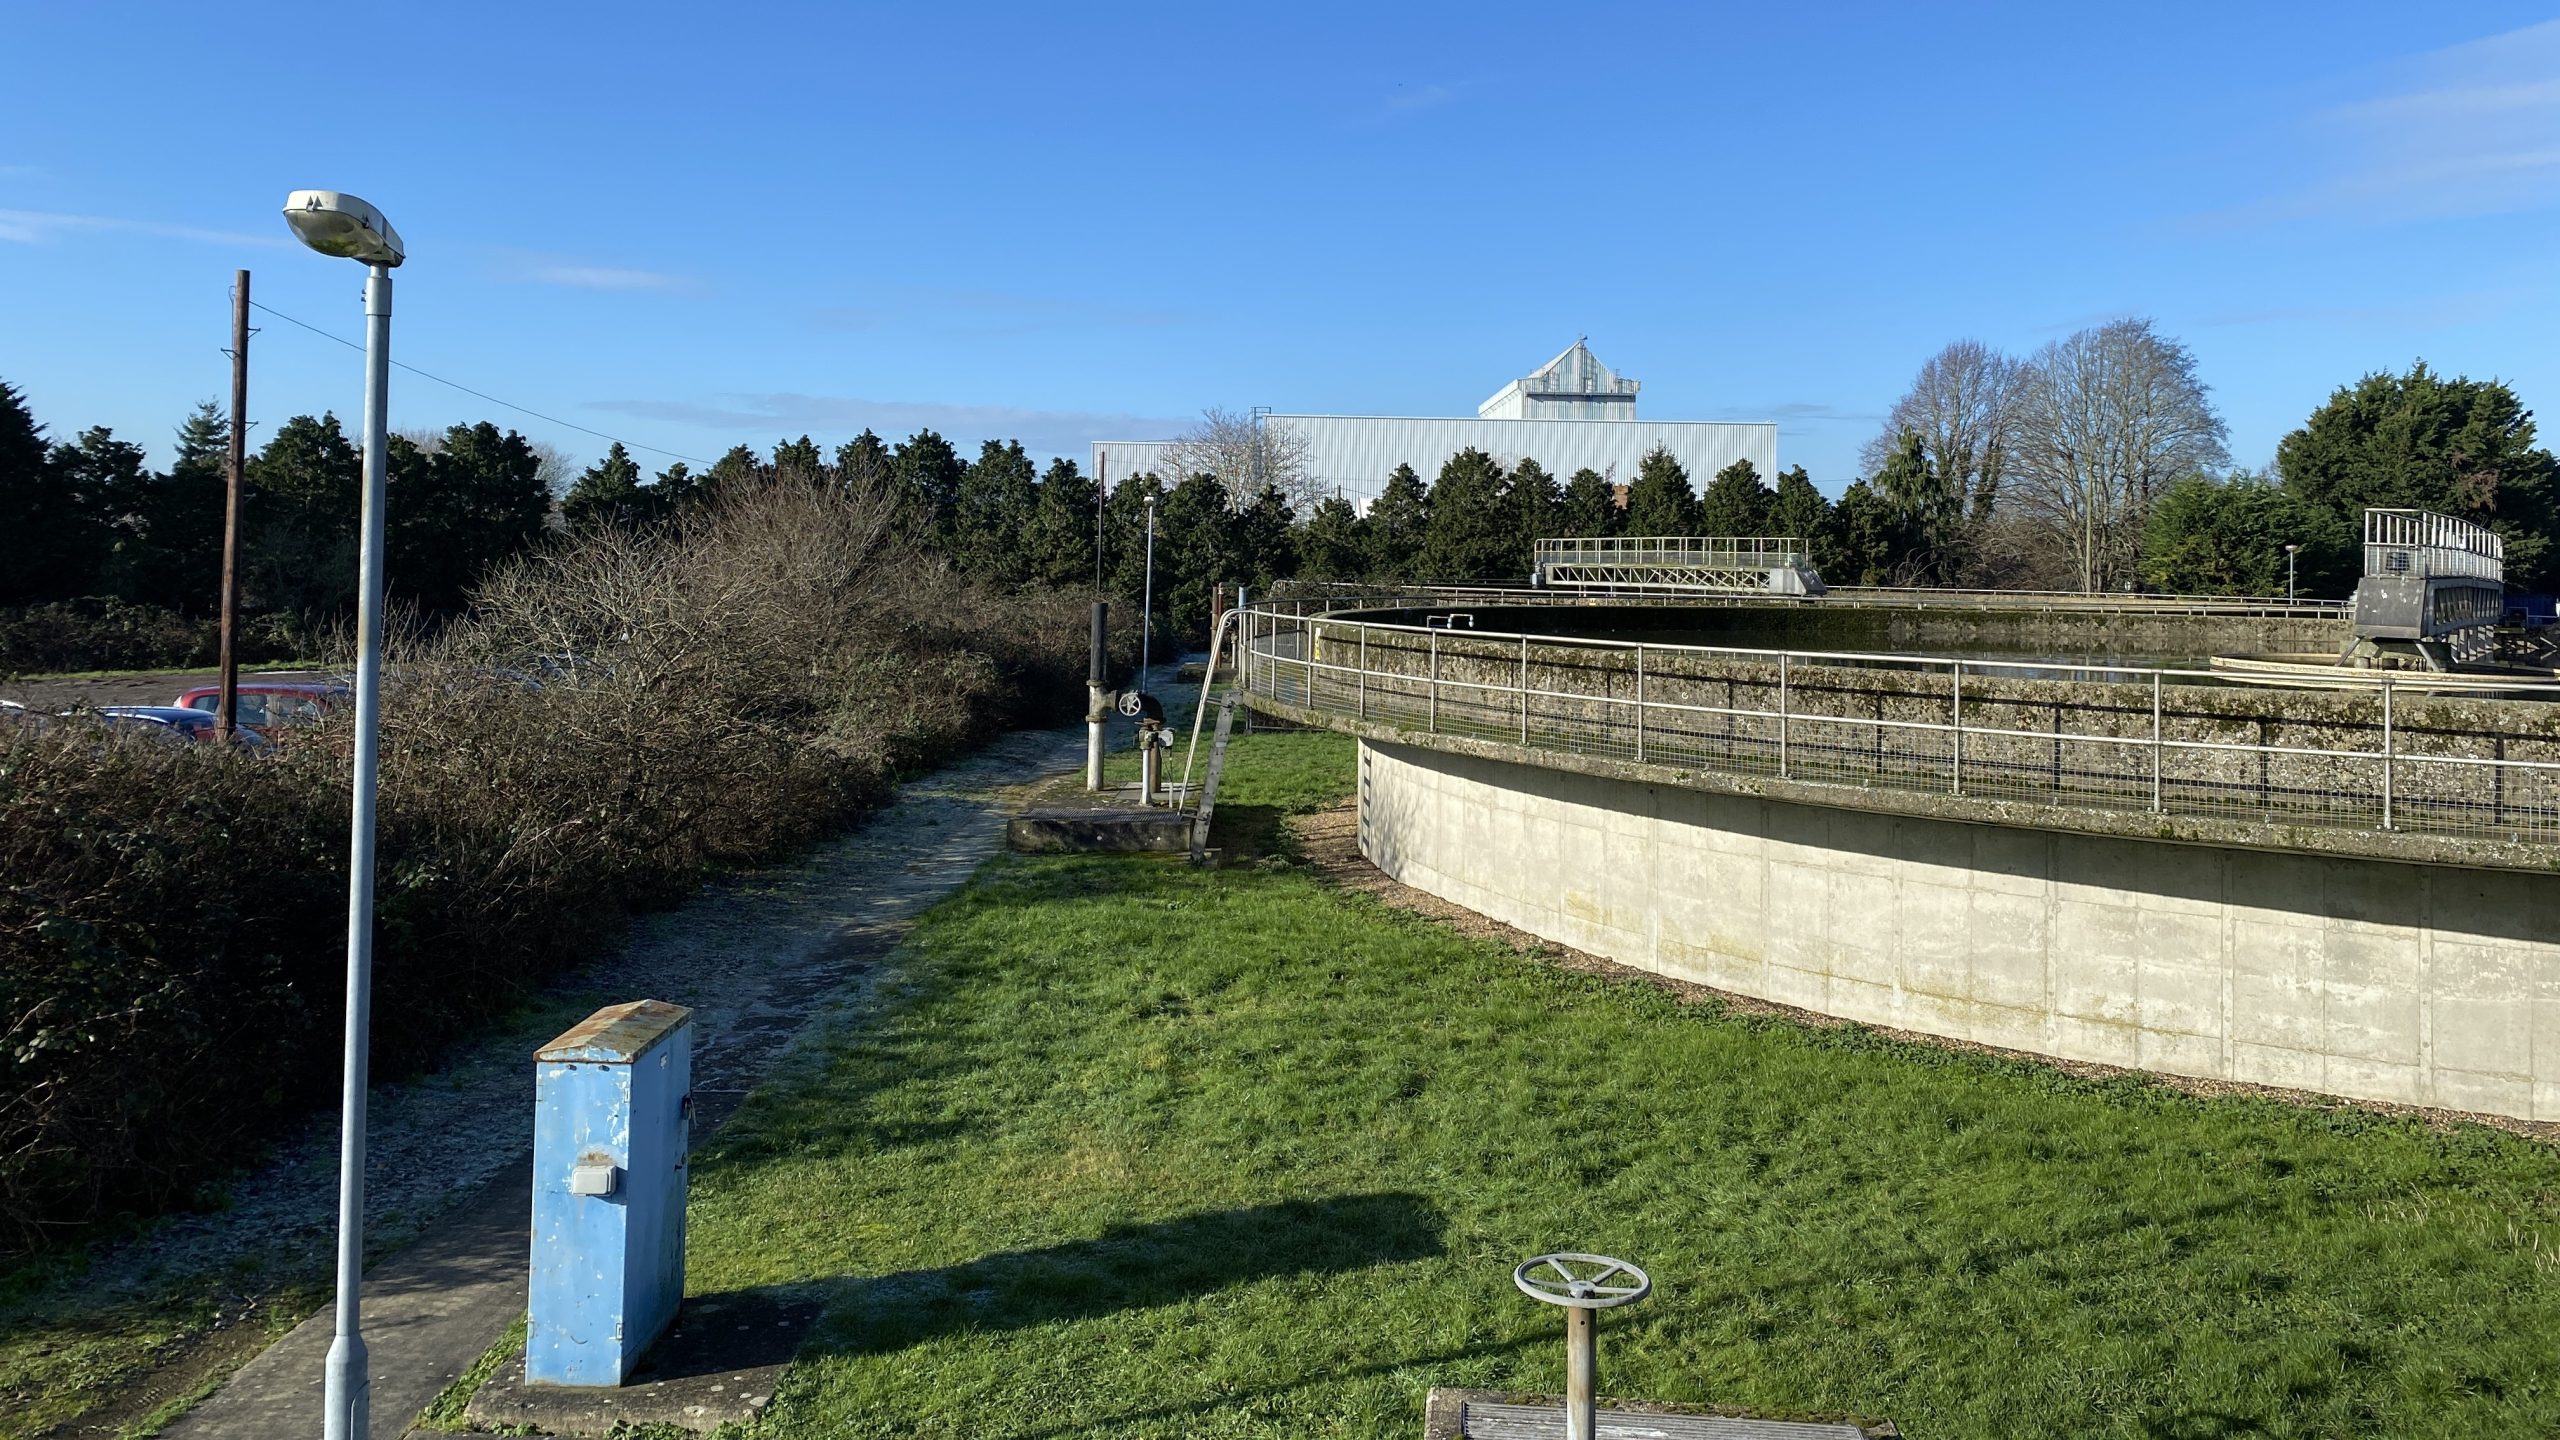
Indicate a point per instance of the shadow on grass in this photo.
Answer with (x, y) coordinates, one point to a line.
(1131, 1267)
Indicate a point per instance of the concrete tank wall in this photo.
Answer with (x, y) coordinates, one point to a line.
(2424, 984)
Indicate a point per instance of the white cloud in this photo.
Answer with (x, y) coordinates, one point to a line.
(39, 227)
(2471, 130)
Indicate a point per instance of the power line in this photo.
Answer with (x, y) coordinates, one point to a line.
(483, 394)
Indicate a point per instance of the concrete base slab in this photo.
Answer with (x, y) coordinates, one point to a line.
(717, 1366)
(1452, 1414)
(1058, 829)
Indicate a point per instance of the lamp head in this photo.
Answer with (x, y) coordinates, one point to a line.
(339, 224)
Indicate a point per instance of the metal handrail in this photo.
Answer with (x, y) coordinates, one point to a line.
(1336, 592)
(1510, 707)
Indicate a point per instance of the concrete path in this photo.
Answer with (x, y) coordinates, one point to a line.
(757, 957)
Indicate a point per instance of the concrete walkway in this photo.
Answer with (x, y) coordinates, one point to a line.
(758, 958)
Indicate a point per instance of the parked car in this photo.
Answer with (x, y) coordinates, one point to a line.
(185, 721)
(269, 705)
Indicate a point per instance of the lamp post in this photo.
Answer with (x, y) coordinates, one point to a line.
(344, 226)
(1147, 597)
(2289, 552)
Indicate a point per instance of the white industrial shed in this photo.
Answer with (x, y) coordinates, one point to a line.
(1573, 413)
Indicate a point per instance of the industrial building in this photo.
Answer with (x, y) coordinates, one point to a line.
(1572, 413)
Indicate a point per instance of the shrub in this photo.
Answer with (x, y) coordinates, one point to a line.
(618, 717)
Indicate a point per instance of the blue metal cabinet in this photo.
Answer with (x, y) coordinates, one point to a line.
(612, 1120)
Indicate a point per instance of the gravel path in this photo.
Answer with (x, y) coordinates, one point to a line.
(756, 956)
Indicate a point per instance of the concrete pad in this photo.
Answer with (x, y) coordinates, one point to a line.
(1452, 1414)
(717, 1365)
(1064, 829)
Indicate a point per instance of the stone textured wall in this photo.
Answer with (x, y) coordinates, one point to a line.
(2424, 984)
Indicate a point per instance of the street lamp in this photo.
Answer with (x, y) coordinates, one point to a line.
(344, 226)
(2289, 552)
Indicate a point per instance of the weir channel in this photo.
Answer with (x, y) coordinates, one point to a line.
(2344, 887)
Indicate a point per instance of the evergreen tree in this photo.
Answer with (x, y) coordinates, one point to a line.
(1058, 549)
(1266, 540)
(103, 483)
(1397, 521)
(605, 493)
(862, 465)
(738, 467)
(1470, 531)
(53, 548)
(992, 512)
(301, 512)
(1875, 540)
(2227, 537)
(176, 559)
(1197, 547)
(1735, 502)
(2460, 447)
(926, 472)
(1124, 537)
(1334, 543)
(675, 488)
(1535, 507)
(472, 505)
(1660, 502)
(1931, 509)
(800, 458)
(1589, 507)
(1798, 511)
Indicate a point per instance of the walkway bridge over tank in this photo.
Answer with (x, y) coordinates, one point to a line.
(1729, 564)
(2432, 584)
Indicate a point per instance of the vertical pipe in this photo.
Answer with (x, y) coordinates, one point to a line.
(226, 712)
(1431, 699)
(1955, 754)
(1364, 672)
(1147, 599)
(347, 1380)
(1581, 1378)
(2389, 758)
(1097, 679)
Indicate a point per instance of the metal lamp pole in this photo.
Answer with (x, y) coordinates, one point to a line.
(341, 225)
(2289, 552)
(1147, 602)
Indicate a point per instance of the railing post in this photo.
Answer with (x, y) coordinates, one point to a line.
(2389, 754)
(2155, 742)
(1431, 692)
(1364, 673)
(1955, 754)
(1307, 657)
(1639, 704)
(1524, 689)
(1782, 714)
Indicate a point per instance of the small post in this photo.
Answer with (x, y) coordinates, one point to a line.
(226, 712)
(1431, 693)
(1581, 1375)
(1524, 690)
(1364, 672)
(1956, 737)
(2389, 757)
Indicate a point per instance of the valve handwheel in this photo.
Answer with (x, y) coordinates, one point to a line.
(1582, 1282)
(1132, 703)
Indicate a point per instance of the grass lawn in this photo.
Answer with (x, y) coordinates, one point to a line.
(1131, 1149)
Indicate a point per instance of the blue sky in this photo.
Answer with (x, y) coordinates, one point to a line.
(690, 225)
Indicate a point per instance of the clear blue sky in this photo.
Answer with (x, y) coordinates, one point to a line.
(696, 225)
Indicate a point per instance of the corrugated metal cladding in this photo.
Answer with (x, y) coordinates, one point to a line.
(1117, 460)
(1572, 386)
(1354, 454)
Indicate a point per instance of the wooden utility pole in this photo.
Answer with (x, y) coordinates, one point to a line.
(226, 711)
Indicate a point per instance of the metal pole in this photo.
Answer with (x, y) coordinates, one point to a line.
(226, 712)
(1524, 689)
(1581, 1378)
(1147, 600)
(1956, 738)
(1097, 679)
(348, 1376)
(1782, 715)
(1101, 500)
(1432, 693)
(2388, 755)
(1364, 672)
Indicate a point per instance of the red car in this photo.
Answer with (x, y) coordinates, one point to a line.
(267, 705)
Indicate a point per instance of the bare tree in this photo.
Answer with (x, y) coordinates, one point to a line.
(2104, 421)
(1245, 455)
(1961, 405)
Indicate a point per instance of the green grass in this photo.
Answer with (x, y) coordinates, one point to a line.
(1133, 1149)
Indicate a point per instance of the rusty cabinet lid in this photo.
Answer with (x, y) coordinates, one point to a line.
(616, 1034)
